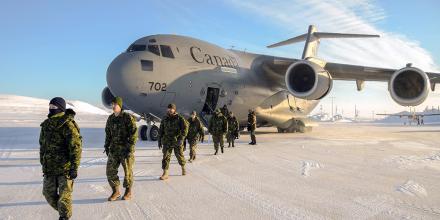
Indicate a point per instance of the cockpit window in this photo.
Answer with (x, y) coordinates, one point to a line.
(136, 47)
(154, 49)
(166, 51)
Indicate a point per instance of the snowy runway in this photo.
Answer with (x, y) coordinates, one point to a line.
(338, 171)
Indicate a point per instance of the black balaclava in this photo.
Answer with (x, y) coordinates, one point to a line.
(58, 102)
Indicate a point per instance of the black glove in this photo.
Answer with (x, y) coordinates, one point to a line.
(73, 174)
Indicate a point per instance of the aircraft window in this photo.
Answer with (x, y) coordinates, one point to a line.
(154, 49)
(152, 41)
(166, 51)
(136, 47)
(147, 65)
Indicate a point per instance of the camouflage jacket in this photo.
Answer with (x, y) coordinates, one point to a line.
(60, 144)
(233, 125)
(172, 129)
(195, 129)
(252, 121)
(218, 125)
(120, 134)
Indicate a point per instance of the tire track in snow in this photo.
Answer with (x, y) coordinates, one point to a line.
(239, 191)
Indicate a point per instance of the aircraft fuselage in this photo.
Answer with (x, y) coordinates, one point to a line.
(196, 75)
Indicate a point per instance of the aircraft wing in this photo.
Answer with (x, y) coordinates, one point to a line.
(406, 115)
(354, 72)
(338, 71)
(397, 115)
(428, 114)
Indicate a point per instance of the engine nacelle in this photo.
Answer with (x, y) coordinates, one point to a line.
(107, 97)
(409, 86)
(307, 80)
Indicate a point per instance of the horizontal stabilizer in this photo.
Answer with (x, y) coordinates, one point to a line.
(312, 38)
(303, 37)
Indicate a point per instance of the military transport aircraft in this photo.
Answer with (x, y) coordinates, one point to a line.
(196, 75)
(412, 116)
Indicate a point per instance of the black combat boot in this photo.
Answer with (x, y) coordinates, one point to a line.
(222, 150)
(216, 152)
(254, 140)
(63, 218)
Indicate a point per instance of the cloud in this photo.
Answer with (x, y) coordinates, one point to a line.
(359, 16)
(392, 50)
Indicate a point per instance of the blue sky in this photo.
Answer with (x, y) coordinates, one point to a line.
(63, 48)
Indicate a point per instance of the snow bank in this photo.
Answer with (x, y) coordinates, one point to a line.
(20, 111)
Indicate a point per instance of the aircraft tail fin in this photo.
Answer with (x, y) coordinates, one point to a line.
(312, 39)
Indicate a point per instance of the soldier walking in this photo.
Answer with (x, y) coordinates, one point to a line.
(218, 126)
(195, 134)
(60, 155)
(172, 132)
(120, 140)
(233, 128)
(252, 125)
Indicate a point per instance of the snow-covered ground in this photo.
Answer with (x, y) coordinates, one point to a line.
(20, 111)
(338, 171)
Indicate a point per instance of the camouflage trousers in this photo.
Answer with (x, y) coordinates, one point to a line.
(113, 163)
(253, 138)
(167, 151)
(218, 141)
(231, 138)
(58, 192)
(192, 148)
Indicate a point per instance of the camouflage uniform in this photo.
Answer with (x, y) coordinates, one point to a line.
(60, 155)
(218, 126)
(252, 125)
(195, 133)
(120, 139)
(173, 130)
(233, 128)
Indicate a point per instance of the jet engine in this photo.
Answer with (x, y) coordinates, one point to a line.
(107, 97)
(307, 80)
(409, 86)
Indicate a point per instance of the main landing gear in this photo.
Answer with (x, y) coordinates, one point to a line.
(150, 131)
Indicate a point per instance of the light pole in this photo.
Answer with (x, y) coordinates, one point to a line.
(332, 98)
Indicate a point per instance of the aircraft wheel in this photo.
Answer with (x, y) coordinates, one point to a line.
(143, 131)
(153, 133)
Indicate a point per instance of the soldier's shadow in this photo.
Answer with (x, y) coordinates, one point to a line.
(89, 201)
(41, 203)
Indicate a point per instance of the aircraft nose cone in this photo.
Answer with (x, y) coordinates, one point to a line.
(121, 75)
